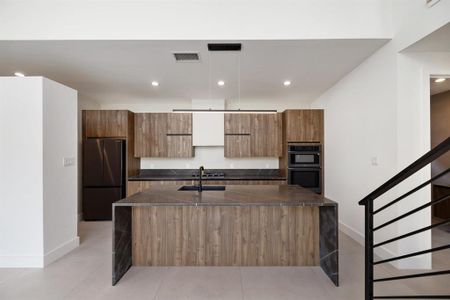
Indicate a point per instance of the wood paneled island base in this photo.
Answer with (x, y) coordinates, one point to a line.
(241, 226)
(225, 236)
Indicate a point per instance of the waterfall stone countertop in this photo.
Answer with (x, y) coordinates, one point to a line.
(187, 174)
(277, 195)
(147, 225)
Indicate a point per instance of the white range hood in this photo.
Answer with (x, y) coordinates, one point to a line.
(208, 128)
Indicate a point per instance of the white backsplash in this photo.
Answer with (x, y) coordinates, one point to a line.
(210, 158)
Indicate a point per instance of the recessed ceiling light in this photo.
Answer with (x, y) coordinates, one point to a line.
(19, 74)
(286, 83)
(439, 80)
(155, 83)
(220, 83)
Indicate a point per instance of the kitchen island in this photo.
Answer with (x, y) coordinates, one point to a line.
(262, 225)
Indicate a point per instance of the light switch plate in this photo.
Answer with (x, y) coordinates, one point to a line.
(68, 161)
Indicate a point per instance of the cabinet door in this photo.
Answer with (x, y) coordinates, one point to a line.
(105, 123)
(179, 123)
(92, 125)
(237, 123)
(305, 125)
(179, 146)
(265, 135)
(237, 145)
(150, 138)
(115, 122)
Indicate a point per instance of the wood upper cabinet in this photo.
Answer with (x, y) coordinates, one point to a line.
(237, 146)
(179, 123)
(237, 123)
(304, 125)
(253, 135)
(105, 123)
(179, 146)
(150, 138)
(237, 135)
(163, 135)
(265, 135)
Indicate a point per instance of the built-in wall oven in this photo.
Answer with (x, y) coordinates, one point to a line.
(303, 155)
(304, 166)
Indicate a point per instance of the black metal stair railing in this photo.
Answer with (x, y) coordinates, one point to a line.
(368, 202)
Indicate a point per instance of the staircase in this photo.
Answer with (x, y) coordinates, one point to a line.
(370, 212)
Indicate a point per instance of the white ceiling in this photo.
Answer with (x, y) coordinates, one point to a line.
(121, 71)
(439, 87)
(437, 41)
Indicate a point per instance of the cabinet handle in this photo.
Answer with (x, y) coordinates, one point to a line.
(178, 134)
(244, 134)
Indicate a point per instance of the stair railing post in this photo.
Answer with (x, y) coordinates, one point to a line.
(369, 250)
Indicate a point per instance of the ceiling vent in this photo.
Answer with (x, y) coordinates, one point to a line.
(186, 56)
(225, 47)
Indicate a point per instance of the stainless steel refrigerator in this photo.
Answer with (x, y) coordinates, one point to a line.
(103, 177)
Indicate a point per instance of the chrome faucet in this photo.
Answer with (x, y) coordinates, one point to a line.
(200, 174)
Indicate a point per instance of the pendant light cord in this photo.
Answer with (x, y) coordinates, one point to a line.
(210, 75)
(239, 80)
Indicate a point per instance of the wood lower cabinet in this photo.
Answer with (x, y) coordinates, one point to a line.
(163, 135)
(139, 186)
(303, 125)
(225, 235)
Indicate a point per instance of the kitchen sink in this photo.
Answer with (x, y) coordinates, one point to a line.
(204, 188)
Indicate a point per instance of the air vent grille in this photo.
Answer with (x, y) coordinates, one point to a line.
(225, 47)
(186, 56)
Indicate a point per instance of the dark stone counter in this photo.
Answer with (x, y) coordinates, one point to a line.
(277, 195)
(188, 174)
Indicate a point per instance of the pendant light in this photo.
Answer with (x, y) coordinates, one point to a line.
(226, 47)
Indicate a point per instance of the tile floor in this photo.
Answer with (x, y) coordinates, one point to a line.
(86, 274)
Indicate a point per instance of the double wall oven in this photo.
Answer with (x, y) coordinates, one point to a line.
(304, 166)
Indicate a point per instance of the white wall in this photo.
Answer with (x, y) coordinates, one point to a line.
(21, 172)
(210, 157)
(194, 19)
(382, 110)
(38, 204)
(60, 182)
(414, 137)
(360, 118)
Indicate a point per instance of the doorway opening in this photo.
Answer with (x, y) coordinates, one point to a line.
(439, 131)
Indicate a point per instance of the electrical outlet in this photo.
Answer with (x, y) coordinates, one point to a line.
(68, 161)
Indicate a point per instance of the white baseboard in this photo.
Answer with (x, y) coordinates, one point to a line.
(39, 261)
(21, 261)
(61, 250)
(382, 252)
